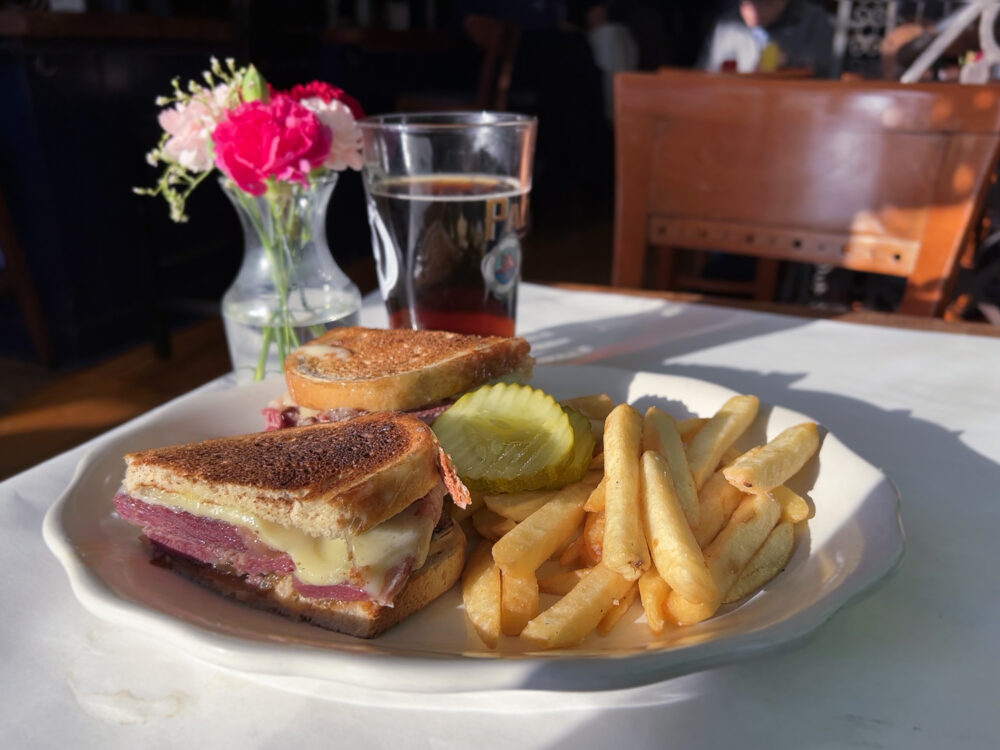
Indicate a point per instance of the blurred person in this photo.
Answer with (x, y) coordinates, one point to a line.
(963, 59)
(765, 35)
(611, 43)
(897, 41)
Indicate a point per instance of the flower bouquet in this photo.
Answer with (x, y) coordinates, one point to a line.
(278, 154)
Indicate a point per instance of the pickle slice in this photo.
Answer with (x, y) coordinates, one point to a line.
(583, 446)
(507, 438)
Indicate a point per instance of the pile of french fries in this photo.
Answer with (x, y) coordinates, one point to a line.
(669, 512)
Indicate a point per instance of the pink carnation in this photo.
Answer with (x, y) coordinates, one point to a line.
(326, 92)
(189, 125)
(345, 144)
(281, 139)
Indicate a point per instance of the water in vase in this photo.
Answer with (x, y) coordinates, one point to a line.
(247, 320)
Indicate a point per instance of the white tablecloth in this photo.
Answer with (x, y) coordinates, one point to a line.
(914, 665)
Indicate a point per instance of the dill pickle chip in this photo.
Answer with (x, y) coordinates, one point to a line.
(583, 446)
(507, 438)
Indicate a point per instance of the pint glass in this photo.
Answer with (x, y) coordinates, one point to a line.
(447, 197)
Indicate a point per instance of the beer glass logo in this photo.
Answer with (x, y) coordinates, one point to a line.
(501, 265)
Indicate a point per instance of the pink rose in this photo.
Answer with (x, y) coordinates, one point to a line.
(280, 139)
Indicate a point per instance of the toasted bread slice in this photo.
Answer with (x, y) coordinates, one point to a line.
(327, 480)
(439, 573)
(398, 370)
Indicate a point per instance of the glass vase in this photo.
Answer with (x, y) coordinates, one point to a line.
(289, 289)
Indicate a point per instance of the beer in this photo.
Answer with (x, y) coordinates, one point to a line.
(448, 250)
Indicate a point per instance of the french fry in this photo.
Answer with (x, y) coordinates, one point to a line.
(660, 434)
(794, 507)
(481, 594)
(721, 431)
(763, 468)
(570, 554)
(460, 514)
(624, 549)
(653, 593)
(490, 525)
(731, 454)
(669, 511)
(597, 498)
(728, 555)
(766, 563)
(597, 406)
(717, 501)
(537, 537)
(517, 505)
(561, 583)
(577, 533)
(593, 539)
(569, 620)
(688, 428)
(617, 612)
(672, 545)
(518, 603)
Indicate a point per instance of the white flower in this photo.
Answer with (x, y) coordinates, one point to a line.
(345, 144)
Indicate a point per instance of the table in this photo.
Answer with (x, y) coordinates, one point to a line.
(913, 665)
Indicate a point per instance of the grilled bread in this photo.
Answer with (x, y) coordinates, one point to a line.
(398, 370)
(326, 480)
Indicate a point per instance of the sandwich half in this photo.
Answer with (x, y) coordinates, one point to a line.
(337, 524)
(347, 371)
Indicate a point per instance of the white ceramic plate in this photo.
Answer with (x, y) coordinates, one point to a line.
(854, 540)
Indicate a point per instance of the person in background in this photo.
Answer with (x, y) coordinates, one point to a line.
(765, 35)
(611, 42)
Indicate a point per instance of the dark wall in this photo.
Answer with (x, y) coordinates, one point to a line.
(77, 116)
(77, 120)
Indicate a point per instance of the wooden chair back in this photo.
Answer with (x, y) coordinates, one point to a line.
(498, 40)
(870, 176)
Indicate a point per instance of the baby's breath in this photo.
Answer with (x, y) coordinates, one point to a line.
(176, 183)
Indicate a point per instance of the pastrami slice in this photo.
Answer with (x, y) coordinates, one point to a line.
(240, 551)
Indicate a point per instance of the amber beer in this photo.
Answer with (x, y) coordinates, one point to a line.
(448, 250)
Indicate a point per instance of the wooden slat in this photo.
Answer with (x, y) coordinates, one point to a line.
(866, 106)
(16, 23)
(864, 253)
(633, 136)
(959, 197)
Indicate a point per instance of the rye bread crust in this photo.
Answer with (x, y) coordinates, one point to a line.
(326, 480)
(439, 573)
(398, 370)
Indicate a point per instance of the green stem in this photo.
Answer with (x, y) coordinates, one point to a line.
(286, 232)
(283, 262)
(192, 184)
(304, 237)
(268, 334)
(279, 333)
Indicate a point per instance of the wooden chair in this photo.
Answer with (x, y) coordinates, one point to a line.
(498, 41)
(870, 176)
